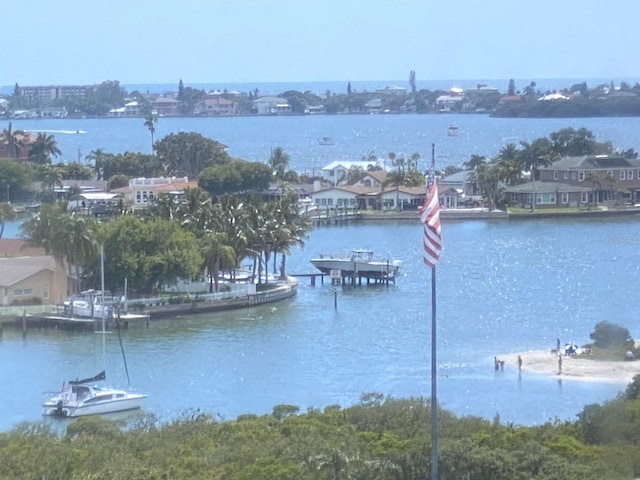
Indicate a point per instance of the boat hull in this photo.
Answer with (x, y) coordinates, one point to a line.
(61, 407)
(350, 267)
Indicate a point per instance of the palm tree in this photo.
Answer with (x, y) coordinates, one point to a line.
(14, 143)
(150, 122)
(217, 254)
(51, 179)
(279, 162)
(532, 156)
(510, 164)
(43, 148)
(487, 177)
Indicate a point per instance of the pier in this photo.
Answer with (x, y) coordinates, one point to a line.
(335, 216)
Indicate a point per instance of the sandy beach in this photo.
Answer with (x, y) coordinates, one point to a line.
(579, 368)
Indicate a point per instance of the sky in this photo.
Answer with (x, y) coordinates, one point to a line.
(71, 42)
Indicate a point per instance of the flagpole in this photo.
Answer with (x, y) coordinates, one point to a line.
(434, 373)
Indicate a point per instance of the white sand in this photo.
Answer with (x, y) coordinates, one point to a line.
(574, 367)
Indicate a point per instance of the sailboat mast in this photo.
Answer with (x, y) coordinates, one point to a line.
(104, 330)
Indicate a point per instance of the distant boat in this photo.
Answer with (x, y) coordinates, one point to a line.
(452, 131)
(325, 141)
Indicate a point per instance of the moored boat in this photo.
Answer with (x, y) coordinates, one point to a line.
(359, 262)
(83, 397)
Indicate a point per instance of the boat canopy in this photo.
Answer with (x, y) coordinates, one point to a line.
(101, 376)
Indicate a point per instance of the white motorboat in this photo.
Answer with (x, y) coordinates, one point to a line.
(90, 303)
(357, 262)
(84, 397)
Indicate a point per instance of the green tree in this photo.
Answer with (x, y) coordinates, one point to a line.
(607, 334)
(189, 154)
(279, 162)
(570, 142)
(487, 177)
(13, 139)
(43, 148)
(217, 254)
(236, 177)
(149, 253)
(15, 179)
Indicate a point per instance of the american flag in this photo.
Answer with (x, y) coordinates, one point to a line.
(430, 217)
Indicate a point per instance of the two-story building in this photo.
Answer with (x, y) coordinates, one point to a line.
(270, 105)
(609, 179)
(141, 191)
(215, 105)
(165, 106)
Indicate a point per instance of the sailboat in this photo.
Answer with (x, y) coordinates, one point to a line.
(86, 397)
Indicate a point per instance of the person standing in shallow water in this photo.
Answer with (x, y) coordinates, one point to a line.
(519, 363)
(559, 363)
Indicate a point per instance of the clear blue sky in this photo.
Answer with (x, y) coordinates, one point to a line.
(216, 41)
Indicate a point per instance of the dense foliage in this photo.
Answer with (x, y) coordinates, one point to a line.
(378, 438)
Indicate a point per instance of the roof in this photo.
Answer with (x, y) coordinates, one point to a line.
(349, 164)
(458, 177)
(16, 269)
(95, 196)
(12, 247)
(545, 187)
(592, 162)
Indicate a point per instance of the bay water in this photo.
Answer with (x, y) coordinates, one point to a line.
(503, 286)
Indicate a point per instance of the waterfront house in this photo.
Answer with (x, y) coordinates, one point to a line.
(457, 189)
(215, 105)
(448, 103)
(369, 198)
(270, 105)
(24, 142)
(28, 276)
(547, 195)
(165, 106)
(610, 179)
(141, 191)
(337, 172)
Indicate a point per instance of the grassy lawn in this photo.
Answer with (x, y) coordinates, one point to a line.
(519, 210)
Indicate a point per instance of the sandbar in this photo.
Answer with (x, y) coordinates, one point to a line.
(579, 367)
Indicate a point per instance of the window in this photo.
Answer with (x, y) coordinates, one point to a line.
(144, 197)
(580, 176)
(45, 293)
(565, 197)
(22, 292)
(138, 197)
(573, 175)
(610, 173)
(545, 198)
(514, 197)
(629, 174)
(566, 175)
(584, 198)
(623, 175)
(555, 175)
